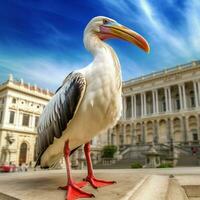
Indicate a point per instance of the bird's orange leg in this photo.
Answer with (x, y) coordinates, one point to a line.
(90, 177)
(73, 190)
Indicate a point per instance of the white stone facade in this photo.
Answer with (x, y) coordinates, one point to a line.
(161, 107)
(20, 107)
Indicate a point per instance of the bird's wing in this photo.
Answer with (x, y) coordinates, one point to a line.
(59, 111)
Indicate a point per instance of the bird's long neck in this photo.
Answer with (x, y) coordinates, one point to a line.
(105, 59)
(101, 50)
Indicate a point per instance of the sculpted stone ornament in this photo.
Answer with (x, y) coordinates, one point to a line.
(5, 149)
(10, 139)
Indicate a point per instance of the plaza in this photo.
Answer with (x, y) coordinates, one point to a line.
(132, 184)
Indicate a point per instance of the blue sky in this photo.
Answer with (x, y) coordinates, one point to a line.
(41, 40)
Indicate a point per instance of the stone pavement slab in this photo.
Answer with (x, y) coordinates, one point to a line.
(137, 184)
(42, 185)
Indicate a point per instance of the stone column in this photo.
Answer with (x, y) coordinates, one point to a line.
(170, 99)
(157, 101)
(143, 133)
(195, 93)
(180, 97)
(145, 103)
(121, 132)
(155, 132)
(124, 107)
(17, 118)
(184, 129)
(166, 99)
(31, 121)
(186, 126)
(169, 136)
(124, 133)
(154, 102)
(184, 97)
(135, 106)
(133, 139)
(142, 105)
(132, 106)
(183, 138)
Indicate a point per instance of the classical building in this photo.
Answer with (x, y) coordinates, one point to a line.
(162, 107)
(20, 107)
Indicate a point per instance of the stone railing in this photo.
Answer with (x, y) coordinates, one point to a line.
(108, 161)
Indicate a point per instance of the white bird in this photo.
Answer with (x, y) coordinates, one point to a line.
(87, 103)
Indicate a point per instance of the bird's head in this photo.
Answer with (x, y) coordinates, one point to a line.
(106, 28)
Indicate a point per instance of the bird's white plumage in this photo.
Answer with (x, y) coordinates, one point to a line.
(101, 105)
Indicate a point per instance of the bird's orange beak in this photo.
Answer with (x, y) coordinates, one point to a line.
(115, 30)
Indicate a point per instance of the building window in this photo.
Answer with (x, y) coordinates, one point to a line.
(192, 99)
(36, 121)
(195, 136)
(163, 104)
(1, 116)
(25, 121)
(177, 102)
(139, 140)
(12, 117)
(14, 100)
(192, 102)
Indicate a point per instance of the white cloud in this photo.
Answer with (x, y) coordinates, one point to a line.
(171, 44)
(192, 17)
(162, 31)
(44, 72)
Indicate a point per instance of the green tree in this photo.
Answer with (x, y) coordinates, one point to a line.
(109, 151)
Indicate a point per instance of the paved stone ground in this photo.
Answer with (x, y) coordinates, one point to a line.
(42, 185)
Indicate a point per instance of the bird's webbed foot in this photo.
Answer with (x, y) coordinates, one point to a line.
(74, 192)
(78, 184)
(96, 183)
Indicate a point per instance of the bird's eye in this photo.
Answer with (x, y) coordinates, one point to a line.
(105, 21)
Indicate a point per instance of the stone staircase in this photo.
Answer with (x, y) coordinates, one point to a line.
(121, 164)
(132, 154)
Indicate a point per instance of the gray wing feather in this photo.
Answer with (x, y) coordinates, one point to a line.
(59, 111)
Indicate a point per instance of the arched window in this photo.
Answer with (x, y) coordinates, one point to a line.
(23, 153)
